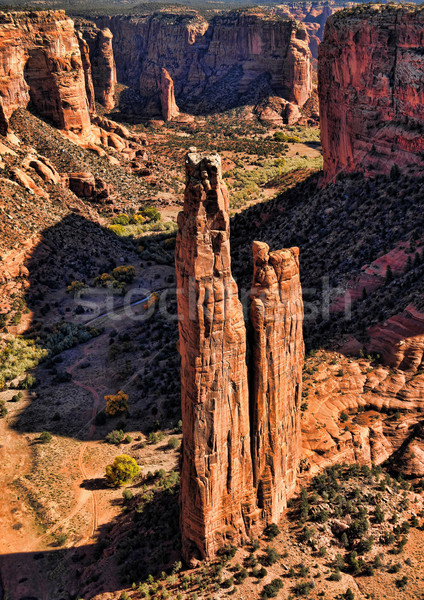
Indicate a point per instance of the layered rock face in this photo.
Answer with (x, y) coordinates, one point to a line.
(102, 61)
(216, 471)
(371, 69)
(41, 62)
(240, 453)
(213, 65)
(277, 317)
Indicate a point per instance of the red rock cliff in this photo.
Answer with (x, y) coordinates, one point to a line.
(213, 64)
(371, 69)
(102, 61)
(41, 62)
(277, 317)
(217, 499)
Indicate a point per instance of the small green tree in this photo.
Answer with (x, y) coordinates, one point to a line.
(45, 437)
(122, 471)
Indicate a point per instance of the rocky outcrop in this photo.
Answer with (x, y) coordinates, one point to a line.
(277, 317)
(371, 69)
(41, 63)
(102, 61)
(312, 15)
(88, 76)
(217, 501)
(240, 452)
(167, 96)
(235, 58)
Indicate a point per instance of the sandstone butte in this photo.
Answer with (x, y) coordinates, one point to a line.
(45, 62)
(212, 63)
(219, 500)
(370, 75)
(41, 63)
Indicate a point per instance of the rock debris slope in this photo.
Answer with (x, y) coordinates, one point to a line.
(218, 491)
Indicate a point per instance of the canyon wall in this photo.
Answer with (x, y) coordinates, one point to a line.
(41, 62)
(230, 60)
(240, 451)
(277, 317)
(371, 68)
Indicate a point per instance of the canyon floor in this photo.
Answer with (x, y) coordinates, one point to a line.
(65, 532)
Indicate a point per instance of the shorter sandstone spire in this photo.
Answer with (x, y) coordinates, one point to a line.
(278, 352)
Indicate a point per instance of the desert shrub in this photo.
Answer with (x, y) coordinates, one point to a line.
(153, 438)
(76, 287)
(271, 556)
(3, 409)
(271, 531)
(116, 403)
(121, 219)
(124, 273)
(259, 573)
(303, 588)
(117, 230)
(127, 495)
(45, 437)
(173, 443)
(28, 382)
(151, 213)
(115, 437)
(271, 589)
(122, 471)
(335, 576)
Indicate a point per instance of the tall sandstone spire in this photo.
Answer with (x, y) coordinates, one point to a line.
(240, 455)
(217, 497)
(276, 315)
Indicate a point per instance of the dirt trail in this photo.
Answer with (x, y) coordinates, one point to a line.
(19, 534)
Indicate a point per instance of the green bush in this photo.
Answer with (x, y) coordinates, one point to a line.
(45, 437)
(271, 589)
(115, 437)
(122, 471)
(151, 213)
(173, 443)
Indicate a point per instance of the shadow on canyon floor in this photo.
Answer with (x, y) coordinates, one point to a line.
(122, 350)
(144, 539)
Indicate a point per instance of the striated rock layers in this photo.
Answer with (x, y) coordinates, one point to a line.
(277, 317)
(218, 471)
(102, 61)
(41, 62)
(237, 57)
(371, 69)
(216, 475)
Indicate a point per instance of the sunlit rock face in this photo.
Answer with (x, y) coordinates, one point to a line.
(41, 63)
(371, 69)
(240, 450)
